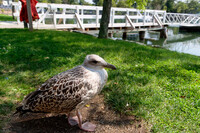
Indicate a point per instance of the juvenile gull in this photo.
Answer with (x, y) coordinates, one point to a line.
(69, 91)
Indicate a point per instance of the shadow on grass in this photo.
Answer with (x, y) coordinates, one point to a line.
(192, 66)
(6, 107)
(106, 120)
(50, 125)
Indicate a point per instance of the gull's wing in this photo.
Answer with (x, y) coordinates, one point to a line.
(61, 93)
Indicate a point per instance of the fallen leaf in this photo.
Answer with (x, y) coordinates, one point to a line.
(87, 105)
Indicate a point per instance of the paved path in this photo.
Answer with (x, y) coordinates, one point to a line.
(13, 24)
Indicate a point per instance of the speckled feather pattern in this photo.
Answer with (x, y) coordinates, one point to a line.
(66, 91)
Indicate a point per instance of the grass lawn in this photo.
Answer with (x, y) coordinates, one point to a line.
(160, 86)
(4, 17)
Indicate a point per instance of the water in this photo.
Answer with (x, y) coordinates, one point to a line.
(183, 42)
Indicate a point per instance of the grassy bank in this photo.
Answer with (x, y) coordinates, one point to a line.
(4, 17)
(158, 85)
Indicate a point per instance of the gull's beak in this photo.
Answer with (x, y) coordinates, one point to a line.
(110, 66)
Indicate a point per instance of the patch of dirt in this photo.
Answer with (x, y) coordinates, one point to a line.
(97, 112)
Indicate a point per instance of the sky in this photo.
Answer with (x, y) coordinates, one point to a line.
(89, 1)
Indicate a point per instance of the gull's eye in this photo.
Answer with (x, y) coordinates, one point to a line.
(94, 61)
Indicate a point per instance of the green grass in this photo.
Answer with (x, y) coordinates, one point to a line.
(160, 86)
(4, 17)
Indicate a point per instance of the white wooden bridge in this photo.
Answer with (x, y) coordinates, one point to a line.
(64, 16)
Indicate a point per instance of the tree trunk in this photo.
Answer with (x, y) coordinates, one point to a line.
(28, 4)
(103, 32)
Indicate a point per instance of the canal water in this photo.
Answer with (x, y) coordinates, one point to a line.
(183, 42)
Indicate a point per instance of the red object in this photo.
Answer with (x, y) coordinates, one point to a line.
(24, 13)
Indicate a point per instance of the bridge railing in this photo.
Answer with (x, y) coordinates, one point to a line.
(79, 16)
(183, 19)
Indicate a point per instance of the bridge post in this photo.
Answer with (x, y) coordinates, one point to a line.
(54, 18)
(43, 15)
(110, 34)
(77, 11)
(144, 18)
(97, 16)
(141, 35)
(124, 36)
(137, 16)
(164, 17)
(64, 19)
(163, 33)
(112, 17)
(82, 15)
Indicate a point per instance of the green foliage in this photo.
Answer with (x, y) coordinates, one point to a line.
(126, 3)
(75, 2)
(192, 6)
(6, 18)
(141, 4)
(100, 3)
(114, 2)
(122, 3)
(158, 85)
(181, 7)
(170, 5)
(2, 10)
(95, 2)
(157, 4)
(83, 2)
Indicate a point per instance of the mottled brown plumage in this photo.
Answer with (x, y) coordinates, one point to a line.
(69, 90)
(61, 93)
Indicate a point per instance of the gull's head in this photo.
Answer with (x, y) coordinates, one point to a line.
(96, 62)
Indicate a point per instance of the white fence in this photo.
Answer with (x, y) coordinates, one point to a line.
(78, 16)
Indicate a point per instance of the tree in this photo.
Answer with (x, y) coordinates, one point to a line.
(106, 14)
(83, 2)
(122, 3)
(141, 4)
(105, 19)
(188, 6)
(181, 7)
(100, 3)
(170, 5)
(95, 2)
(158, 4)
(193, 7)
